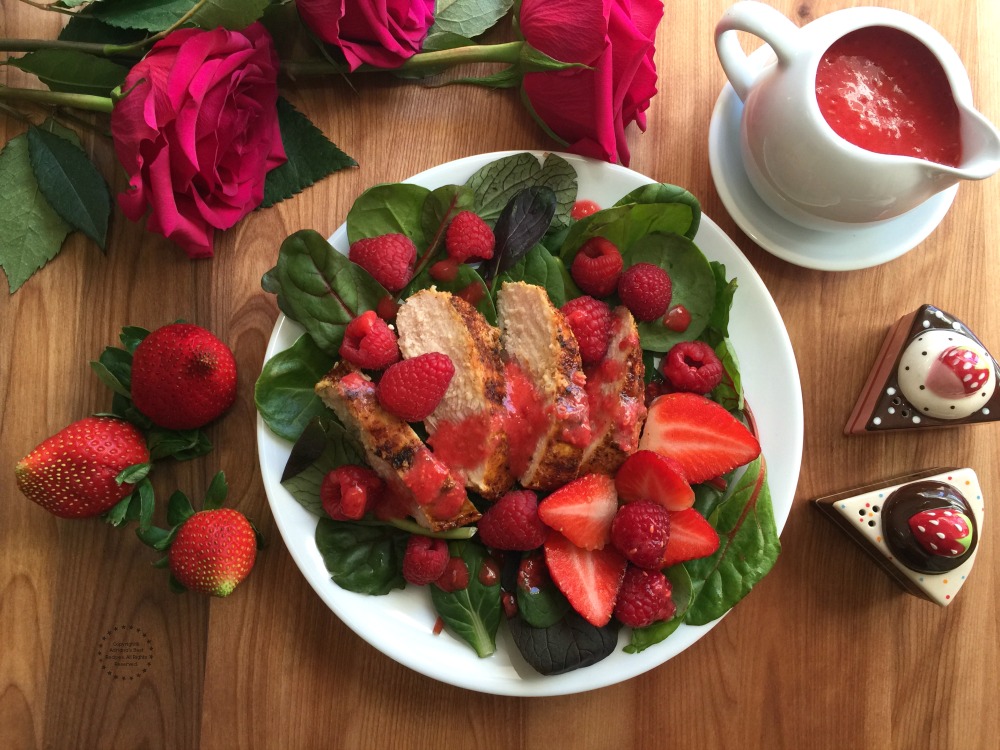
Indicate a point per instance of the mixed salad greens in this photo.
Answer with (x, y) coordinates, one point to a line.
(529, 203)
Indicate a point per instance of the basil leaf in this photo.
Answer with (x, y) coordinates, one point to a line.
(320, 288)
(363, 559)
(323, 446)
(524, 221)
(748, 550)
(284, 393)
(571, 643)
(496, 183)
(543, 269)
(472, 613)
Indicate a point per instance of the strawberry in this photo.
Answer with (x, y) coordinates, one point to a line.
(468, 237)
(582, 510)
(691, 537)
(942, 531)
(645, 290)
(213, 551)
(183, 377)
(590, 320)
(389, 258)
(72, 474)
(704, 438)
(647, 475)
(597, 267)
(413, 388)
(589, 579)
(957, 372)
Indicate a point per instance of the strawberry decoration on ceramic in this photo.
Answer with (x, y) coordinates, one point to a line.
(943, 532)
(932, 371)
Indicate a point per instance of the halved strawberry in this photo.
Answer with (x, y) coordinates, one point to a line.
(704, 438)
(691, 537)
(582, 510)
(942, 531)
(589, 579)
(647, 475)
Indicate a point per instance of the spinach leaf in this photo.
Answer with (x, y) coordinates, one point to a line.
(524, 222)
(441, 206)
(729, 392)
(473, 613)
(320, 288)
(748, 550)
(284, 393)
(718, 320)
(395, 207)
(680, 592)
(570, 643)
(323, 446)
(665, 193)
(539, 602)
(543, 269)
(465, 277)
(363, 559)
(692, 281)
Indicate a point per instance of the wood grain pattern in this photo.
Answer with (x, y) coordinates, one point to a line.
(824, 653)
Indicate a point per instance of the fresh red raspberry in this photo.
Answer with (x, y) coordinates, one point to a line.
(590, 320)
(469, 237)
(413, 388)
(349, 491)
(597, 267)
(640, 531)
(369, 343)
(644, 598)
(692, 366)
(512, 523)
(424, 560)
(645, 290)
(389, 258)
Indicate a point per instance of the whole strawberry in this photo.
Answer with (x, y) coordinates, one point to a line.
(72, 474)
(183, 377)
(213, 551)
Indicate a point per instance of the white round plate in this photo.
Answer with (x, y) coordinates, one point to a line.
(847, 250)
(401, 623)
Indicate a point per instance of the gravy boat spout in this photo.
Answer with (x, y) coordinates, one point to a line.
(980, 146)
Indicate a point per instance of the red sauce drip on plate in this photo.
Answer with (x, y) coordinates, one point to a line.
(583, 208)
(884, 91)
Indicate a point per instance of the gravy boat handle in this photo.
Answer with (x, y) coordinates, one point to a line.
(760, 20)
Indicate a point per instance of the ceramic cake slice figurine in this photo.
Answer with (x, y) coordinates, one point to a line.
(923, 529)
(932, 371)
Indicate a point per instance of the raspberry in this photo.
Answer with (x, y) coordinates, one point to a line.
(413, 388)
(597, 267)
(424, 560)
(644, 598)
(468, 237)
(512, 523)
(645, 291)
(640, 531)
(590, 320)
(389, 258)
(349, 491)
(369, 343)
(692, 366)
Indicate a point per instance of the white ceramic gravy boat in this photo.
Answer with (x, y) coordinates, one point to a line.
(796, 162)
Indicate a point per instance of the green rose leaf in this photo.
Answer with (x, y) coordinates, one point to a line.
(468, 18)
(72, 71)
(284, 394)
(83, 26)
(473, 613)
(748, 550)
(363, 559)
(158, 15)
(323, 446)
(71, 183)
(311, 156)
(31, 229)
(320, 288)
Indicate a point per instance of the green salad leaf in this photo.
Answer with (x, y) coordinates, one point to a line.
(323, 446)
(542, 268)
(390, 208)
(473, 613)
(360, 558)
(284, 393)
(496, 183)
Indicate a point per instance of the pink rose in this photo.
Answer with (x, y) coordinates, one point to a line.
(590, 109)
(383, 33)
(197, 132)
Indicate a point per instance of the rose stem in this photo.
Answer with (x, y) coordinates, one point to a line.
(58, 98)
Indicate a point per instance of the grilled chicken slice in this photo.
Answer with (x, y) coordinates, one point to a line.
(545, 388)
(434, 497)
(616, 390)
(466, 430)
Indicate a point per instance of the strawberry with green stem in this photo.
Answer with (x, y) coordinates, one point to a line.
(210, 551)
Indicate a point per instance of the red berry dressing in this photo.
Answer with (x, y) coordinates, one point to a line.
(678, 318)
(489, 572)
(467, 443)
(583, 208)
(444, 270)
(473, 293)
(455, 576)
(525, 418)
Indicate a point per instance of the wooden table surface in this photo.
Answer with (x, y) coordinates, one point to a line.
(825, 652)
